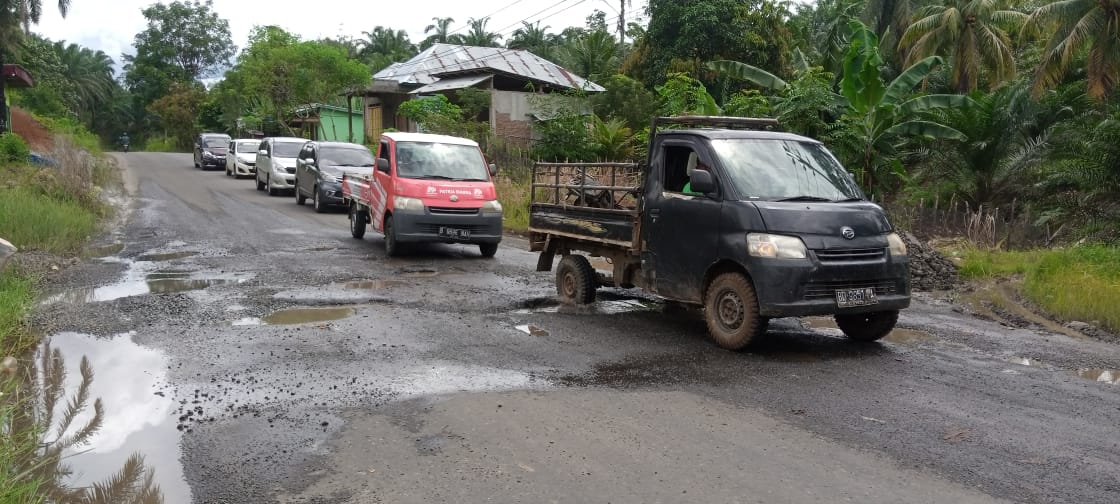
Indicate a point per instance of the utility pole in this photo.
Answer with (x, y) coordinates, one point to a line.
(622, 27)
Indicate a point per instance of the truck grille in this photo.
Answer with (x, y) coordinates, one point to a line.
(827, 290)
(424, 227)
(844, 255)
(453, 211)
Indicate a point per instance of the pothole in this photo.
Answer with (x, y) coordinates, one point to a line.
(905, 336)
(158, 285)
(306, 315)
(169, 256)
(1109, 376)
(372, 284)
(105, 250)
(419, 273)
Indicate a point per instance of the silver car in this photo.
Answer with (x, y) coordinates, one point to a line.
(242, 158)
(276, 164)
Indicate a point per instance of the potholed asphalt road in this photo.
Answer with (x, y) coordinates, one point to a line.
(254, 352)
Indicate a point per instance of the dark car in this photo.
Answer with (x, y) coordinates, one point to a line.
(210, 150)
(319, 170)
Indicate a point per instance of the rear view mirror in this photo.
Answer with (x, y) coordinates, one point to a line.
(262, 152)
(493, 169)
(702, 182)
(383, 165)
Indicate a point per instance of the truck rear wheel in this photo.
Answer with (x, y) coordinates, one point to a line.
(357, 222)
(867, 326)
(731, 311)
(575, 280)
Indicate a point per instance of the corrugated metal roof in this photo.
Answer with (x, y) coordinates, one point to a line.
(451, 83)
(442, 59)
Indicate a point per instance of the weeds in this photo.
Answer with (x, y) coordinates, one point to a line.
(514, 197)
(163, 144)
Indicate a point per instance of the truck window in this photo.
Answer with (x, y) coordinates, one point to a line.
(383, 151)
(679, 162)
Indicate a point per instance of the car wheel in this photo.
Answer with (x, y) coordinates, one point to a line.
(357, 222)
(300, 198)
(488, 249)
(268, 184)
(317, 201)
(392, 248)
(731, 311)
(260, 185)
(575, 280)
(867, 326)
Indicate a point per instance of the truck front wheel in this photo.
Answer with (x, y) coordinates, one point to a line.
(575, 280)
(731, 311)
(867, 326)
(392, 248)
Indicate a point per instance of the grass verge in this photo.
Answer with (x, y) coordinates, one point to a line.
(37, 221)
(514, 197)
(1078, 283)
(162, 144)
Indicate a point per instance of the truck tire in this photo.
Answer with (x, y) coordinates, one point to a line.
(731, 311)
(488, 249)
(357, 222)
(867, 326)
(392, 248)
(575, 280)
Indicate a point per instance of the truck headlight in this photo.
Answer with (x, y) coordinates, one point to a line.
(898, 247)
(408, 204)
(491, 207)
(778, 246)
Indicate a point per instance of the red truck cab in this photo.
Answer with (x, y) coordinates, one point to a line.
(427, 188)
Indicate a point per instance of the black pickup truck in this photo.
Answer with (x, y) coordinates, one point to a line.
(748, 222)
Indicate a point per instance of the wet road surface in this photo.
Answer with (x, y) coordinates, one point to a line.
(255, 352)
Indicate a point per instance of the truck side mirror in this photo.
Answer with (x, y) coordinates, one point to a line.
(703, 182)
(493, 169)
(383, 165)
(262, 152)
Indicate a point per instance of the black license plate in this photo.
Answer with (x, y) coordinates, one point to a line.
(847, 298)
(454, 233)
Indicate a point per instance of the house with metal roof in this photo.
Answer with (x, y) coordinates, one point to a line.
(510, 76)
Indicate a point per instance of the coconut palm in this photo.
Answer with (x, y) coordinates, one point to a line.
(440, 33)
(531, 37)
(591, 54)
(1076, 26)
(971, 34)
(384, 46)
(91, 73)
(478, 36)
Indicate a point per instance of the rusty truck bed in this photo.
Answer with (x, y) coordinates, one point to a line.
(594, 203)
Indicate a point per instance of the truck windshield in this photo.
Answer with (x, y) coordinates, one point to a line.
(785, 170)
(428, 160)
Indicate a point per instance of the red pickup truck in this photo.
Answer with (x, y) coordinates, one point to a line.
(426, 188)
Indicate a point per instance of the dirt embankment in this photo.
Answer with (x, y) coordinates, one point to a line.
(36, 136)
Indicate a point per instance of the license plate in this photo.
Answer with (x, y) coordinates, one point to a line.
(454, 233)
(856, 297)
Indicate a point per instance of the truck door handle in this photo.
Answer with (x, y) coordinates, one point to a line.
(654, 214)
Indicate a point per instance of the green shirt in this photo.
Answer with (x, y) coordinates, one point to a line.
(688, 189)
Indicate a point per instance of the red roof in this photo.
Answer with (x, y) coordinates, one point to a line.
(17, 76)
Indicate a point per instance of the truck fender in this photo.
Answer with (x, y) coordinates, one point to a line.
(544, 260)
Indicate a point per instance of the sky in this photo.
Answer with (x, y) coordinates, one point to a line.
(111, 29)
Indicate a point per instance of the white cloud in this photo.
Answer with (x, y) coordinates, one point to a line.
(112, 30)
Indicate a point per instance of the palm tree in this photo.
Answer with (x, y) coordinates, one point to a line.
(478, 36)
(442, 33)
(591, 54)
(1078, 25)
(533, 38)
(888, 19)
(970, 34)
(27, 12)
(90, 72)
(384, 46)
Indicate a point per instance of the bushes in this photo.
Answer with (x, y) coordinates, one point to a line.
(161, 144)
(13, 149)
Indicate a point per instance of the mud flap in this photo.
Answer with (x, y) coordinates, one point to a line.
(544, 261)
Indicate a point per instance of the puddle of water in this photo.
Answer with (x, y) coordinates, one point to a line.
(105, 250)
(134, 288)
(605, 307)
(306, 315)
(126, 378)
(372, 284)
(170, 256)
(448, 378)
(907, 336)
(1110, 376)
(532, 330)
(247, 321)
(821, 323)
(168, 275)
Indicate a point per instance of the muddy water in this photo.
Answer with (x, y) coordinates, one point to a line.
(898, 335)
(1110, 376)
(104, 250)
(307, 315)
(154, 285)
(372, 284)
(131, 382)
(169, 256)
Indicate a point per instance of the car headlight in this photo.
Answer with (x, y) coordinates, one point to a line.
(327, 177)
(408, 204)
(207, 154)
(898, 247)
(491, 207)
(768, 245)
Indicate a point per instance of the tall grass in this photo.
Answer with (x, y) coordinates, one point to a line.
(514, 197)
(161, 144)
(16, 295)
(1078, 283)
(33, 220)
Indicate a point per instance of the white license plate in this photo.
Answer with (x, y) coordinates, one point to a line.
(454, 233)
(856, 297)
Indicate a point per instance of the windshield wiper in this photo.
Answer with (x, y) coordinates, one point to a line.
(438, 177)
(805, 198)
(849, 200)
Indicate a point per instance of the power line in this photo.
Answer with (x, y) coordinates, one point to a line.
(459, 29)
(546, 9)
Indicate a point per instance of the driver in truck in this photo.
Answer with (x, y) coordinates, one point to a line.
(693, 165)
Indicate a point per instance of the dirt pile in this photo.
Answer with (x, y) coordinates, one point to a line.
(36, 136)
(929, 269)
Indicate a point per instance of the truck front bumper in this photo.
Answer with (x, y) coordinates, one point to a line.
(798, 288)
(425, 226)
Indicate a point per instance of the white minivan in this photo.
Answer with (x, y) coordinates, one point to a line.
(276, 164)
